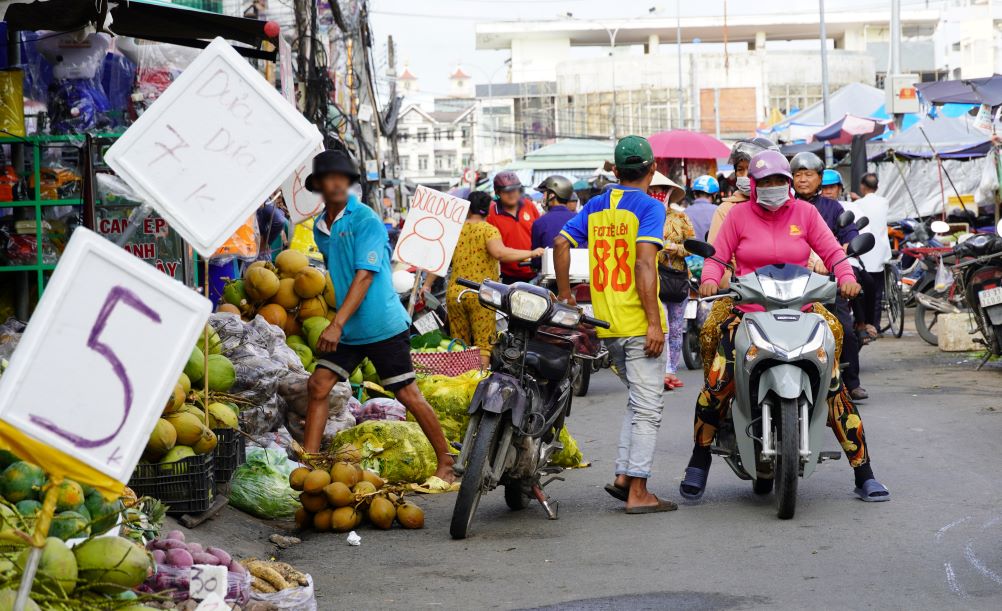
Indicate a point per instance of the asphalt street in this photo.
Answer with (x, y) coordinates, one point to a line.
(933, 424)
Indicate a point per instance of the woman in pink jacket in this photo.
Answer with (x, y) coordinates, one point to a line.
(771, 228)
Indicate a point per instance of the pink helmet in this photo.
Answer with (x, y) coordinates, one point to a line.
(769, 163)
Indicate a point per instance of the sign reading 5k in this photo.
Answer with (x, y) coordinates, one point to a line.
(103, 349)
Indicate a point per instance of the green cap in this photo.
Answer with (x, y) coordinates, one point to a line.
(633, 152)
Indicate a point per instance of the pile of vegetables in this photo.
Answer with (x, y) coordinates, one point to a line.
(269, 576)
(174, 557)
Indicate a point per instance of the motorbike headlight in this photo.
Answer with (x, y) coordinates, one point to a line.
(528, 306)
(566, 317)
(489, 294)
(759, 340)
(784, 290)
(814, 344)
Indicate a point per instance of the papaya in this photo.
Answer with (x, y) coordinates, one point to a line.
(69, 525)
(57, 566)
(22, 481)
(116, 564)
(7, 458)
(28, 508)
(70, 495)
(195, 367)
(221, 373)
(103, 513)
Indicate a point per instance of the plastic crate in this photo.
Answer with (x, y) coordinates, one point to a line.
(230, 453)
(185, 486)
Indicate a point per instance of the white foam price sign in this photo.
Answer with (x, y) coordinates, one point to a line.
(213, 147)
(207, 580)
(214, 602)
(431, 230)
(302, 203)
(101, 353)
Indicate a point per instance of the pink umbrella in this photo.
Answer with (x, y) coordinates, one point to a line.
(683, 144)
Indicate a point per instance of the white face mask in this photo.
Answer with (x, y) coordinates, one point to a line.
(771, 198)
(743, 184)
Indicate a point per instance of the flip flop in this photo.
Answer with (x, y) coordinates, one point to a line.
(661, 507)
(616, 492)
(694, 478)
(873, 491)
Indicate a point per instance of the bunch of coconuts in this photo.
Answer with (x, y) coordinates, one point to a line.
(340, 499)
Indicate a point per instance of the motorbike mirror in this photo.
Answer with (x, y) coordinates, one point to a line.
(702, 249)
(861, 244)
(998, 228)
(845, 219)
(862, 222)
(939, 227)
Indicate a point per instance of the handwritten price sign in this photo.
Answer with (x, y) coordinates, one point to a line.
(302, 203)
(211, 149)
(431, 230)
(207, 581)
(103, 350)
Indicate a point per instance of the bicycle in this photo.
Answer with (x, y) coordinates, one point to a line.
(893, 302)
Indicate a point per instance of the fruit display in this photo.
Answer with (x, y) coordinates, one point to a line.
(173, 557)
(285, 293)
(340, 498)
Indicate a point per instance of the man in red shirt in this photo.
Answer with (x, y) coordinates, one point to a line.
(513, 216)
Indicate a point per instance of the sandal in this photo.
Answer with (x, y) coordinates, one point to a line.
(694, 478)
(661, 507)
(873, 491)
(616, 492)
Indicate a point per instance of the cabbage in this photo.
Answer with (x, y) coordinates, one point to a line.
(260, 486)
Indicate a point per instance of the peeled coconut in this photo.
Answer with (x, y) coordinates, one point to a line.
(274, 314)
(323, 520)
(344, 519)
(381, 513)
(310, 282)
(290, 263)
(329, 295)
(410, 515)
(228, 308)
(345, 473)
(260, 283)
(338, 494)
(312, 307)
(316, 480)
(286, 295)
(313, 502)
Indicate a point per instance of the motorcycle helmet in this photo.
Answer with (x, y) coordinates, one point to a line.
(769, 163)
(558, 185)
(806, 161)
(506, 181)
(831, 177)
(706, 184)
(743, 150)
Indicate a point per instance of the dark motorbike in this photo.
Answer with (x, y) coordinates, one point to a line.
(979, 279)
(517, 413)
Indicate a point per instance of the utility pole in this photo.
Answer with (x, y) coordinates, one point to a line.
(824, 63)
(612, 56)
(398, 192)
(896, 49)
(678, 47)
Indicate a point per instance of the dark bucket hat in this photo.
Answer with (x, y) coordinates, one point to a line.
(331, 162)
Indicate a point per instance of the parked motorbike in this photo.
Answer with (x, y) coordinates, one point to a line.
(783, 358)
(517, 412)
(695, 314)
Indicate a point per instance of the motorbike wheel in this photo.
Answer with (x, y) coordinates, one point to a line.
(787, 459)
(762, 486)
(925, 323)
(472, 487)
(894, 302)
(514, 497)
(691, 352)
(582, 380)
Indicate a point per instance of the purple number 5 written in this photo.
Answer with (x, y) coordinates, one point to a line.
(116, 295)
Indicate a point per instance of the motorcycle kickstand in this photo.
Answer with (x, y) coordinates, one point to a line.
(988, 355)
(549, 505)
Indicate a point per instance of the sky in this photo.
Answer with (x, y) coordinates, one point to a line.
(433, 36)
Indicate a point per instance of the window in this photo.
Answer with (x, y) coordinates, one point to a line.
(422, 135)
(438, 135)
(465, 136)
(422, 162)
(450, 135)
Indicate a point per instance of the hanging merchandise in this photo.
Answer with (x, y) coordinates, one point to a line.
(302, 241)
(77, 101)
(243, 244)
(12, 102)
(157, 65)
(117, 77)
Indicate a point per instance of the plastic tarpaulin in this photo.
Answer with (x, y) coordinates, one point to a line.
(953, 137)
(976, 176)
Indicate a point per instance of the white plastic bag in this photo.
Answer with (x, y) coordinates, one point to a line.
(944, 279)
(299, 599)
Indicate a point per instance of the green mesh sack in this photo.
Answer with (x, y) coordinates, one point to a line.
(397, 451)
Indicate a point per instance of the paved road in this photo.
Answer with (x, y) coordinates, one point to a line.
(933, 424)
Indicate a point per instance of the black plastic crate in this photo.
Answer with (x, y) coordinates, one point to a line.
(230, 453)
(185, 486)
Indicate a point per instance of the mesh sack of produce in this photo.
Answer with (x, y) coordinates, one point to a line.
(260, 486)
(176, 583)
(570, 456)
(10, 335)
(450, 397)
(337, 422)
(263, 418)
(382, 409)
(300, 598)
(294, 390)
(397, 451)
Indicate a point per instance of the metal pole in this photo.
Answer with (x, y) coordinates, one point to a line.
(824, 63)
(895, 36)
(678, 47)
(612, 56)
(716, 111)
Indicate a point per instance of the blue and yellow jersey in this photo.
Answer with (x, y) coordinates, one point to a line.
(610, 226)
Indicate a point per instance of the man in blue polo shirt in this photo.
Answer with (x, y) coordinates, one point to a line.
(370, 321)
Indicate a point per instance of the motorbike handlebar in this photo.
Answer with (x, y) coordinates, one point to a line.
(525, 264)
(468, 284)
(588, 320)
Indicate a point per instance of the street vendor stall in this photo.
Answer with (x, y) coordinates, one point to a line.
(683, 155)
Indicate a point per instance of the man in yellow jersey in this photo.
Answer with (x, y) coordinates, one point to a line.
(622, 229)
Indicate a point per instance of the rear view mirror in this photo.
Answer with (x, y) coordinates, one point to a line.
(862, 222)
(861, 244)
(939, 227)
(845, 219)
(702, 249)
(998, 228)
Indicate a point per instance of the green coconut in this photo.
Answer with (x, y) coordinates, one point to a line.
(222, 375)
(313, 327)
(195, 367)
(115, 563)
(57, 566)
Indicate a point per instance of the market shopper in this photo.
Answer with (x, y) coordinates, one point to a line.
(754, 235)
(831, 184)
(476, 258)
(808, 170)
(702, 209)
(622, 229)
(370, 321)
(678, 229)
(741, 154)
(875, 208)
(513, 215)
(557, 195)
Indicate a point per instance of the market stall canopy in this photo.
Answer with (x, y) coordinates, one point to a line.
(952, 137)
(842, 130)
(854, 99)
(683, 144)
(986, 90)
(572, 158)
(147, 19)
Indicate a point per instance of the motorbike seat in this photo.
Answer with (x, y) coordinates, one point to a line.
(549, 360)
